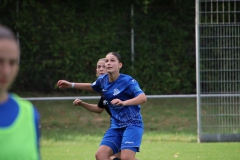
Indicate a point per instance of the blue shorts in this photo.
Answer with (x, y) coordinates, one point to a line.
(123, 138)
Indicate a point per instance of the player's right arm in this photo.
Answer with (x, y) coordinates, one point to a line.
(90, 107)
(80, 86)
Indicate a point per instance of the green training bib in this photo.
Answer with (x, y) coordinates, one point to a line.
(19, 141)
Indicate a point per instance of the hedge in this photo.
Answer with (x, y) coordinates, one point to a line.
(64, 40)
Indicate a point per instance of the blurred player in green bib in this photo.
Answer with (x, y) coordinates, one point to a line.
(19, 120)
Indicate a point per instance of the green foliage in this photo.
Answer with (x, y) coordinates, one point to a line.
(64, 40)
(162, 44)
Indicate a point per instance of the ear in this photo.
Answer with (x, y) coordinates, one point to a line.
(120, 65)
(17, 70)
(96, 73)
(18, 67)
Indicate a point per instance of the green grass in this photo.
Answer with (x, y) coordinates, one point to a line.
(159, 115)
(154, 147)
(70, 132)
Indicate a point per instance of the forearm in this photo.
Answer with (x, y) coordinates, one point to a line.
(92, 107)
(140, 99)
(83, 86)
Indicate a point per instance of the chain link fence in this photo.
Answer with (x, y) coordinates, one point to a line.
(218, 69)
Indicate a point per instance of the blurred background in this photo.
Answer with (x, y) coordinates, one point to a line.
(64, 40)
(156, 39)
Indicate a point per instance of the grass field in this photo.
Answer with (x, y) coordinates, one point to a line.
(70, 132)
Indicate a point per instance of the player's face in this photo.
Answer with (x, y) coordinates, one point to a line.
(9, 55)
(112, 63)
(101, 69)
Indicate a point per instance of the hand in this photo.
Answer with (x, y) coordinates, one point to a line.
(118, 102)
(77, 102)
(64, 84)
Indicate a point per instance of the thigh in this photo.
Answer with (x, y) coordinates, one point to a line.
(112, 138)
(132, 138)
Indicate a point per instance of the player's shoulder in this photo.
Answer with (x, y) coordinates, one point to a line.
(103, 76)
(128, 78)
(125, 76)
(20, 100)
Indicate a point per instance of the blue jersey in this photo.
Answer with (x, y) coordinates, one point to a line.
(123, 88)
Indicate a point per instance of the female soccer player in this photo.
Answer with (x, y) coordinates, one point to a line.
(19, 120)
(124, 97)
(97, 108)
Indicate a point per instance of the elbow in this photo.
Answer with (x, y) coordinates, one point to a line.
(145, 99)
(99, 112)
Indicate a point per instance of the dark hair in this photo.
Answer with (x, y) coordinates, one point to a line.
(6, 33)
(116, 55)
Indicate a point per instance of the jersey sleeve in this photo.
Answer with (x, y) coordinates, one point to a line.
(134, 89)
(96, 86)
(37, 123)
(100, 102)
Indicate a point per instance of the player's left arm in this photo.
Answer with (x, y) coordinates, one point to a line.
(140, 99)
(136, 92)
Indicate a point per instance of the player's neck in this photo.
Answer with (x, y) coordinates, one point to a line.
(3, 96)
(113, 76)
